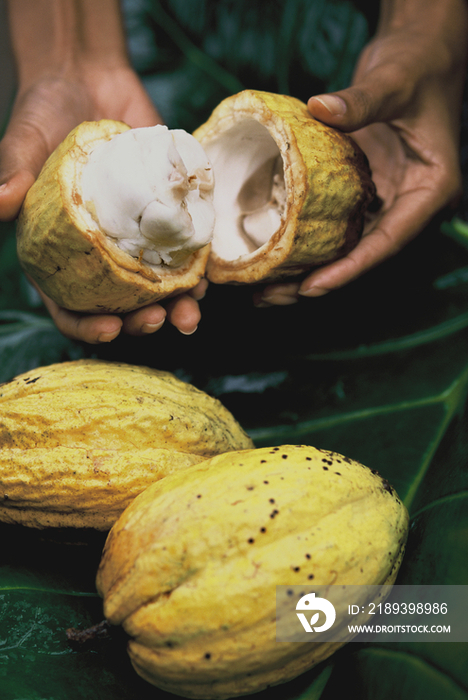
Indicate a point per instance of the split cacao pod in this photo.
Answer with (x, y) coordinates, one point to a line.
(290, 193)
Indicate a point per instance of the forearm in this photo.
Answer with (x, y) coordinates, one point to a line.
(415, 63)
(444, 22)
(425, 13)
(55, 37)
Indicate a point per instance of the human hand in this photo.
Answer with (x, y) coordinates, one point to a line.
(53, 97)
(403, 109)
(181, 311)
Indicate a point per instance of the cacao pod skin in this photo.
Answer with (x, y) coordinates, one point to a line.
(62, 248)
(190, 569)
(79, 440)
(328, 187)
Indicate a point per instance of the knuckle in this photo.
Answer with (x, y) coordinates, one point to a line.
(449, 185)
(453, 185)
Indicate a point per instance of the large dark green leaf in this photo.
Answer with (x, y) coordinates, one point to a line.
(387, 387)
(28, 340)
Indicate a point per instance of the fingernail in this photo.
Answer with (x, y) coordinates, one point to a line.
(151, 327)
(335, 105)
(280, 299)
(107, 337)
(313, 292)
(189, 332)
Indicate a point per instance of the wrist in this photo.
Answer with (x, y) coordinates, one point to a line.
(432, 34)
(59, 38)
(435, 19)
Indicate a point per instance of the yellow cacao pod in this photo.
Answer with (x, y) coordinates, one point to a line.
(65, 251)
(79, 440)
(289, 193)
(190, 569)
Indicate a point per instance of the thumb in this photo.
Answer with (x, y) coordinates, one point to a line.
(371, 100)
(22, 155)
(12, 194)
(38, 122)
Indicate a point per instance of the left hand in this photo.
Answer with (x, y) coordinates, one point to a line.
(43, 115)
(404, 110)
(181, 311)
(69, 71)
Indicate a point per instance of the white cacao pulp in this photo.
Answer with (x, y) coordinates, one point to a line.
(151, 191)
(250, 193)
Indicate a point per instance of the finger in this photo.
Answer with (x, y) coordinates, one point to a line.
(88, 329)
(198, 292)
(91, 329)
(277, 295)
(406, 218)
(184, 313)
(12, 194)
(144, 321)
(379, 97)
(22, 150)
(140, 110)
(25, 148)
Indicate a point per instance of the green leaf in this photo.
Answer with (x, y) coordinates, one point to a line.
(393, 673)
(28, 341)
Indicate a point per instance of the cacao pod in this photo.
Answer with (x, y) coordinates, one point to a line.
(79, 440)
(289, 193)
(63, 249)
(191, 567)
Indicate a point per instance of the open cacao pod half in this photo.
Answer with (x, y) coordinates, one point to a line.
(64, 249)
(290, 194)
(120, 218)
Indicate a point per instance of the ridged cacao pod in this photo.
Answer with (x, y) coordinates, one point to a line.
(190, 569)
(79, 440)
